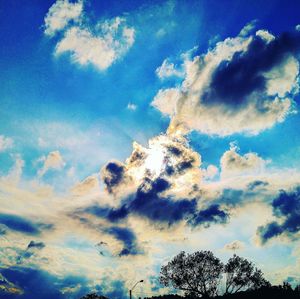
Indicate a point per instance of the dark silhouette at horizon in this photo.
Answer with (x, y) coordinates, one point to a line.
(199, 275)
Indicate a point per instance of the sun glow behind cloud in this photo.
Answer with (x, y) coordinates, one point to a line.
(155, 160)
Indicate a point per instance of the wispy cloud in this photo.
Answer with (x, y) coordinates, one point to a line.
(5, 143)
(54, 161)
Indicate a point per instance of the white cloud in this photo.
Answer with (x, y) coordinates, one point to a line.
(54, 160)
(282, 79)
(197, 105)
(235, 245)
(98, 44)
(166, 100)
(234, 164)
(88, 185)
(131, 106)
(165, 157)
(15, 173)
(101, 49)
(60, 14)
(210, 172)
(5, 143)
(265, 35)
(168, 69)
(248, 28)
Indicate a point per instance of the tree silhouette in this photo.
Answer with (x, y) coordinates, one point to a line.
(242, 275)
(93, 296)
(297, 289)
(197, 274)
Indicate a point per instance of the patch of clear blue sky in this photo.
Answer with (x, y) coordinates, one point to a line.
(37, 87)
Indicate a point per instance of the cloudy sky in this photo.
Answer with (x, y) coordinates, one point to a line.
(133, 130)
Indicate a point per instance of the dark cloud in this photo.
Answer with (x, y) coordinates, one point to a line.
(113, 215)
(185, 159)
(127, 237)
(7, 287)
(23, 225)
(37, 284)
(235, 80)
(137, 156)
(149, 203)
(269, 231)
(257, 184)
(212, 214)
(37, 245)
(3, 230)
(31, 250)
(113, 174)
(231, 197)
(286, 207)
(24, 255)
(174, 150)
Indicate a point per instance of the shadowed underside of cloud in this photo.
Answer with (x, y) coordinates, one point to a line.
(112, 175)
(32, 249)
(28, 283)
(235, 80)
(9, 288)
(257, 184)
(162, 186)
(148, 203)
(37, 284)
(127, 237)
(212, 214)
(244, 84)
(286, 207)
(38, 245)
(23, 225)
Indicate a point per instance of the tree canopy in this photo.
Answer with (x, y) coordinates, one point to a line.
(196, 274)
(242, 275)
(199, 274)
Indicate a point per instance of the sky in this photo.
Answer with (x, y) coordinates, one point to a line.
(133, 130)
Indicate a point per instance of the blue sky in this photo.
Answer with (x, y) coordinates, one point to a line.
(132, 130)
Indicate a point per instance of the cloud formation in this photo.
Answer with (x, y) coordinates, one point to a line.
(168, 69)
(23, 225)
(234, 164)
(88, 185)
(286, 208)
(110, 41)
(160, 183)
(35, 283)
(34, 244)
(128, 238)
(234, 245)
(53, 161)
(98, 44)
(5, 143)
(212, 214)
(8, 287)
(244, 84)
(60, 14)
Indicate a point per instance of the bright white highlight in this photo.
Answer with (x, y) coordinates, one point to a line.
(155, 160)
